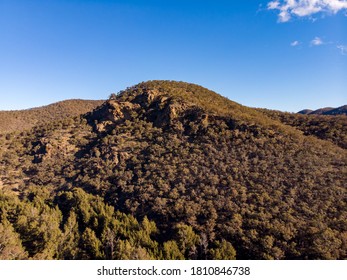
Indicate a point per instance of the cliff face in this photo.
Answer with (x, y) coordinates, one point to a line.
(112, 113)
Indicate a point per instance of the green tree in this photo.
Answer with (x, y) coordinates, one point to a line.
(68, 246)
(39, 226)
(10, 244)
(187, 240)
(223, 251)
(91, 247)
(171, 251)
(127, 251)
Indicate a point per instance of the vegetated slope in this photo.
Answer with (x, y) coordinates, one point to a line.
(339, 111)
(332, 128)
(20, 120)
(305, 112)
(326, 111)
(170, 170)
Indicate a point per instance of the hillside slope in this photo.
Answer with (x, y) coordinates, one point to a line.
(332, 128)
(20, 120)
(328, 111)
(190, 174)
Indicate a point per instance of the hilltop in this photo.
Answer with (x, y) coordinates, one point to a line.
(19, 120)
(328, 111)
(172, 170)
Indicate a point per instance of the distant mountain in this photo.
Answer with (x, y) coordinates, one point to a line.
(305, 112)
(326, 111)
(20, 120)
(172, 170)
(338, 111)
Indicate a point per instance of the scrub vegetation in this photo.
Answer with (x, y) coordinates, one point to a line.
(171, 170)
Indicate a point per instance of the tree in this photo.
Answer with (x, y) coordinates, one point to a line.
(188, 240)
(223, 251)
(91, 247)
(10, 244)
(68, 246)
(171, 251)
(127, 251)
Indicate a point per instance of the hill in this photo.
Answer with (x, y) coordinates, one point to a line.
(305, 111)
(326, 111)
(20, 120)
(171, 170)
(332, 128)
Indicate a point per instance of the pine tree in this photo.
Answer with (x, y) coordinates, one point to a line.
(10, 244)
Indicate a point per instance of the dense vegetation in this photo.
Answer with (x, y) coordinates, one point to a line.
(170, 170)
(76, 225)
(11, 121)
(326, 127)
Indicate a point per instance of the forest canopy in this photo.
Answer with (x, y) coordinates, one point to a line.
(171, 170)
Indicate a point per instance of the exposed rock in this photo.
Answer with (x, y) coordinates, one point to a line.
(204, 120)
(113, 112)
(48, 148)
(151, 95)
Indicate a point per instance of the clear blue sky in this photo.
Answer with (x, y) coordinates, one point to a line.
(272, 54)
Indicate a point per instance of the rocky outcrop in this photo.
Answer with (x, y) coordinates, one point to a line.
(112, 113)
(153, 105)
(54, 147)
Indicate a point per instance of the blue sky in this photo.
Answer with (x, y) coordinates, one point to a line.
(271, 54)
